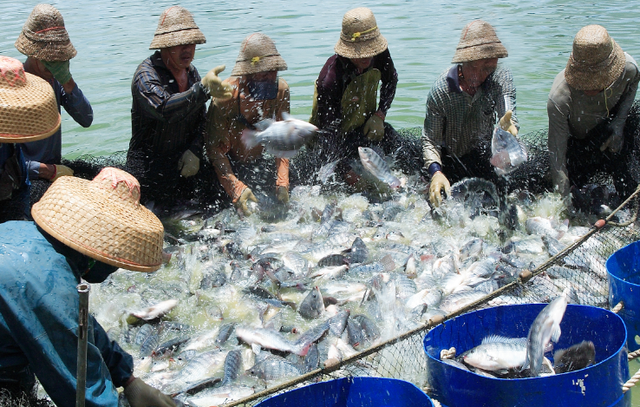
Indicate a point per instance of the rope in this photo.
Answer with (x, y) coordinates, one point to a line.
(618, 307)
(631, 382)
(633, 355)
(448, 353)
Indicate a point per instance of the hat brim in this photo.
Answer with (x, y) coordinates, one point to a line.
(478, 52)
(598, 77)
(100, 224)
(265, 64)
(174, 38)
(45, 50)
(361, 49)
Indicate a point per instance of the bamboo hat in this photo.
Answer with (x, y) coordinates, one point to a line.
(596, 61)
(44, 36)
(103, 219)
(478, 40)
(176, 27)
(28, 107)
(360, 36)
(258, 53)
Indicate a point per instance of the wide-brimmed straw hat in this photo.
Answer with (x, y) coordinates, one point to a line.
(360, 36)
(103, 219)
(176, 27)
(258, 53)
(596, 61)
(44, 36)
(28, 107)
(478, 40)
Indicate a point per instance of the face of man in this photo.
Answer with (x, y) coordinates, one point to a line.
(361, 63)
(179, 56)
(476, 72)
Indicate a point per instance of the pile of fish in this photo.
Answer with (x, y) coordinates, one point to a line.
(246, 303)
(503, 357)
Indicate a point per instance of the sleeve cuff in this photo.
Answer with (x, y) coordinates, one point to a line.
(433, 168)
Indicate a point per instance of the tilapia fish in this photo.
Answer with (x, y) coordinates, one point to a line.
(497, 353)
(373, 163)
(507, 153)
(281, 138)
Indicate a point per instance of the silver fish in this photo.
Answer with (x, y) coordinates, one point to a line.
(270, 339)
(497, 353)
(373, 163)
(312, 306)
(507, 153)
(281, 138)
(154, 312)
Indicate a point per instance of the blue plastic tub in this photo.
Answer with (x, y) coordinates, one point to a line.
(596, 385)
(353, 392)
(623, 269)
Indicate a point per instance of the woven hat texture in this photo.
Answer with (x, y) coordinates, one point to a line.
(44, 36)
(360, 36)
(28, 107)
(103, 219)
(478, 40)
(176, 27)
(258, 53)
(596, 61)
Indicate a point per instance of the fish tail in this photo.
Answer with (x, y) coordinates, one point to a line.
(249, 139)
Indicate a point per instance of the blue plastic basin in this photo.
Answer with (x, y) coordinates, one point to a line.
(596, 385)
(352, 392)
(623, 270)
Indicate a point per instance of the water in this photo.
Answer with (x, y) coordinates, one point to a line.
(112, 38)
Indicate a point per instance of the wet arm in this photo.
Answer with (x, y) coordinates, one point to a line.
(389, 81)
(76, 104)
(432, 134)
(557, 142)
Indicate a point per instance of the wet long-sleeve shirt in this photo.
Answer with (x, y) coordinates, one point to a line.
(458, 121)
(49, 150)
(39, 322)
(572, 113)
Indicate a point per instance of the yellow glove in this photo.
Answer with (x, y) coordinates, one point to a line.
(282, 194)
(507, 124)
(241, 203)
(140, 394)
(438, 183)
(188, 164)
(214, 84)
(61, 171)
(374, 128)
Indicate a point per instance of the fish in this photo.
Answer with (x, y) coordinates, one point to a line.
(152, 313)
(281, 138)
(545, 328)
(232, 364)
(575, 357)
(275, 368)
(497, 354)
(312, 306)
(373, 163)
(507, 153)
(270, 339)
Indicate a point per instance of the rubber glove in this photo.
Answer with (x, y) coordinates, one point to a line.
(374, 128)
(61, 171)
(59, 70)
(214, 84)
(188, 164)
(140, 394)
(282, 194)
(507, 124)
(613, 143)
(241, 203)
(438, 183)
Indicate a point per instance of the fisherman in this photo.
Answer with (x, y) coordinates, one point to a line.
(29, 112)
(168, 115)
(258, 94)
(345, 107)
(83, 230)
(463, 106)
(588, 106)
(45, 41)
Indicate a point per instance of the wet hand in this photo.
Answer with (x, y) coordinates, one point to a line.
(188, 164)
(438, 183)
(282, 194)
(374, 128)
(242, 203)
(507, 124)
(214, 84)
(614, 143)
(140, 394)
(59, 70)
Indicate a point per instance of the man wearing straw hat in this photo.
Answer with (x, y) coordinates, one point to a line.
(83, 230)
(28, 112)
(258, 94)
(463, 106)
(345, 106)
(45, 42)
(588, 106)
(168, 114)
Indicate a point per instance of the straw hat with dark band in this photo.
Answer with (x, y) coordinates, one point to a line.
(28, 107)
(103, 219)
(478, 40)
(258, 53)
(44, 36)
(596, 61)
(176, 27)
(360, 36)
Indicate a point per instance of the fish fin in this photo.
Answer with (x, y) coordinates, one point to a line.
(555, 333)
(256, 348)
(388, 263)
(286, 116)
(249, 139)
(264, 124)
(282, 154)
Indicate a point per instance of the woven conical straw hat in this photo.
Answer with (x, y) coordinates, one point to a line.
(360, 36)
(258, 53)
(44, 36)
(103, 219)
(176, 27)
(596, 61)
(478, 40)
(28, 107)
